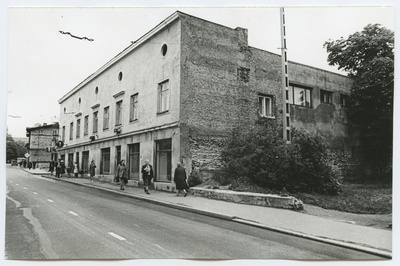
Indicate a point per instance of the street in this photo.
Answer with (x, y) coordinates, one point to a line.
(49, 219)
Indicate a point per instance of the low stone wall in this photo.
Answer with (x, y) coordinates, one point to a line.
(267, 200)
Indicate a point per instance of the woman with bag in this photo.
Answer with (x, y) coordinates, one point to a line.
(121, 174)
(180, 179)
(92, 169)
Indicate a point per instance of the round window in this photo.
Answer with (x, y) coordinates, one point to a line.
(164, 49)
(120, 76)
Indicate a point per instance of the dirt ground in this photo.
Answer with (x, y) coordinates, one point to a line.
(381, 221)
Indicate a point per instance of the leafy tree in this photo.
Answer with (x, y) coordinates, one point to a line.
(368, 57)
(11, 149)
(14, 149)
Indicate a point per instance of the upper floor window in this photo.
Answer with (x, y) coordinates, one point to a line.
(95, 121)
(300, 96)
(71, 130)
(63, 134)
(343, 100)
(118, 113)
(86, 126)
(163, 97)
(106, 117)
(78, 128)
(133, 114)
(265, 106)
(326, 96)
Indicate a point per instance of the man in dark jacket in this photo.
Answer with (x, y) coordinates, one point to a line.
(147, 174)
(180, 179)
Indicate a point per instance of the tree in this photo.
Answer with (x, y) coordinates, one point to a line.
(14, 149)
(11, 149)
(368, 57)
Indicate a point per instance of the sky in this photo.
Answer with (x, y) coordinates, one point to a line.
(43, 64)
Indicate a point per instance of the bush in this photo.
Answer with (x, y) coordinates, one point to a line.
(312, 166)
(260, 155)
(194, 177)
(255, 154)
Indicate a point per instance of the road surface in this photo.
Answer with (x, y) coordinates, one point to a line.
(50, 219)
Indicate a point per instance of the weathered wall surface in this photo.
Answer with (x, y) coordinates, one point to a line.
(40, 139)
(330, 119)
(221, 80)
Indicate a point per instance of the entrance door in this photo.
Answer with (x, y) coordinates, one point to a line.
(77, 160)
(85, 162)
(117, 157)
(163, 160)
(134, 161)
(105, 161)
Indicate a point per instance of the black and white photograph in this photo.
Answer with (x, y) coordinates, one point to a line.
(254, 132)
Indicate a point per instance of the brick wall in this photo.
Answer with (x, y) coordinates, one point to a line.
(221, 78)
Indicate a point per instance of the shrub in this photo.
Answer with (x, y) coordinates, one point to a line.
(312, 166)
(258, 154)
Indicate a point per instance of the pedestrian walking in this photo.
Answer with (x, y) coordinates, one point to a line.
(62, 167)
(92, 169)
(180, 179)
(58, 168)
(51, 167)
(147, 175)
(76, 169)
(121, 174)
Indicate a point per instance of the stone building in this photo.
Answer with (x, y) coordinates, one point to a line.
(42, 140)
(178, 90)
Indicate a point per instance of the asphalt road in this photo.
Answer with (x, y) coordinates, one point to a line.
(49, 219)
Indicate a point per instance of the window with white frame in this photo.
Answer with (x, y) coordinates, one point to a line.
(118, 113)
(63, 134)
(95, 121)
(133, 115)
(106, 117)
(163, 97)
(86, 126)
(265, 106)
(71, 130)
(299, 95)
(78, 128)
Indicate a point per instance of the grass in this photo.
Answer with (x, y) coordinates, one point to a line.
(355, 198)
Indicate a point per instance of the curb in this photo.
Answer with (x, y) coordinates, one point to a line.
(339, 243)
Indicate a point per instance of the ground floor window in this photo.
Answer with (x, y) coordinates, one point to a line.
(70, 162)
(163, 160)
(105, 161)
(134, 161)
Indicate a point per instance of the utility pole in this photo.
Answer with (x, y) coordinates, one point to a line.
(285, 82)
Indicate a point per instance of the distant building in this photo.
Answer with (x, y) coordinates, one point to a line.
(42, 140)
(180, 89)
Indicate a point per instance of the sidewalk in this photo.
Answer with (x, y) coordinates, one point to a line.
(371, 240)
